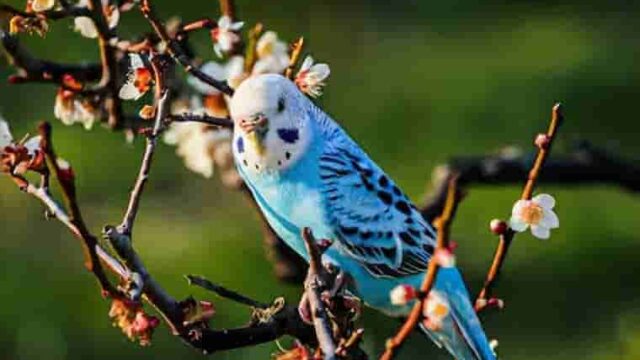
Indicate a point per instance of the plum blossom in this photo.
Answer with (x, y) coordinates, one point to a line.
(272, 54)
(310, 78)
(230, 71)
(435, 310)
(70, 109)
(42, 5)
(5, 134)
(445, 258)
(85, 26)
(225, 36)
(402, 294)
(197, 144)
(536, 213)
(138, 81)
(17, 158)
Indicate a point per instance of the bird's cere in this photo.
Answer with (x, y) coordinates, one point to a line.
(71, 109)
(41, 5)
(225, 36)
(85, 25)
(435, 310)
(403, 294)
(272, 54)
(536, 214)
(444, 258)
(139, 79)
(311, 77)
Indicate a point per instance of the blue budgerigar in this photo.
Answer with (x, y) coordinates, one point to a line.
(305, 171)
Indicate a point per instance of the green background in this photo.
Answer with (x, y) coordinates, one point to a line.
(415, 82)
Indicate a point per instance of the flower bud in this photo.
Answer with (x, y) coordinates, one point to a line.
(542, 141)
(498, 226)
(402, 294)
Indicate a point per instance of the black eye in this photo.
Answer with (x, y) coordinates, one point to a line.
(280, 104)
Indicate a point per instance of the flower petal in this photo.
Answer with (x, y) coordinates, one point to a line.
(33, 144)
(5, 134)
(114, 18)
(224, 22)
(306, 64)
(236, 26)
(321, 71)
(84, 25)
(517, 207)
(540, 232)
(42, 5)
(129, 92)
(550, 219)
(516, 224)
(546, 201)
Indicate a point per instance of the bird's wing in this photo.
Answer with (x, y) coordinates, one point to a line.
(373, 220)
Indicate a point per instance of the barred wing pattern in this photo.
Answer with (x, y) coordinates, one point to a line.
(374, 221)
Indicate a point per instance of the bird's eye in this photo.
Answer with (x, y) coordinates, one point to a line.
(280, 104)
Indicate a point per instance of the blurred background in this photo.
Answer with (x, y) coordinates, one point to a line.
(415, 82)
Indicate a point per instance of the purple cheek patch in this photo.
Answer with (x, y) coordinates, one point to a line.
(240, 145)
(289, 136)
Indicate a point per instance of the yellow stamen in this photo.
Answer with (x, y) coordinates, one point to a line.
(531, 213)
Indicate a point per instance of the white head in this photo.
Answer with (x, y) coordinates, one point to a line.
(272, 123)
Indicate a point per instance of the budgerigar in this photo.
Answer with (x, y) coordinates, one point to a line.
(305, 171)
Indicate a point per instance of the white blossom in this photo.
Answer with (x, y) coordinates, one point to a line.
(232, 69)
(138, 81)
(42, 5)
(435, 310)
(5, 134)
(224, 36)
(402, 294)
(85, 26)
(536, 213)
(196, 143)
(272, 54)
(310, 78)
(70, 110)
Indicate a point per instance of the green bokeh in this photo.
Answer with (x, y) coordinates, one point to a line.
(416, 82)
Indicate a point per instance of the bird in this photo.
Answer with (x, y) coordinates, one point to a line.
(305, 171)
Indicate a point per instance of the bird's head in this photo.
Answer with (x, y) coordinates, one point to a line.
(271, 122)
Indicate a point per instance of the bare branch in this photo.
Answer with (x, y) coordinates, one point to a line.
(544, 142)
(314, 285)
(176, 51)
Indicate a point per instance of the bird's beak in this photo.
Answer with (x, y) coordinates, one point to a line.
(255, 127)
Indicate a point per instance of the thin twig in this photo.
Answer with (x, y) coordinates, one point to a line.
(314, 285)
(442, 225)
(296, 50)
(507, 237)
(224, 292)
(74, 220)
(205, 119)
(175, 50)
(162, 106)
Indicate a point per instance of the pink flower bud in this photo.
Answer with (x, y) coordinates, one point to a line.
(498, 226)
(402, 294)
(542, 141)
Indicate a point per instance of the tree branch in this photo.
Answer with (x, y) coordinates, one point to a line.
(544, 143)
(442, 225)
